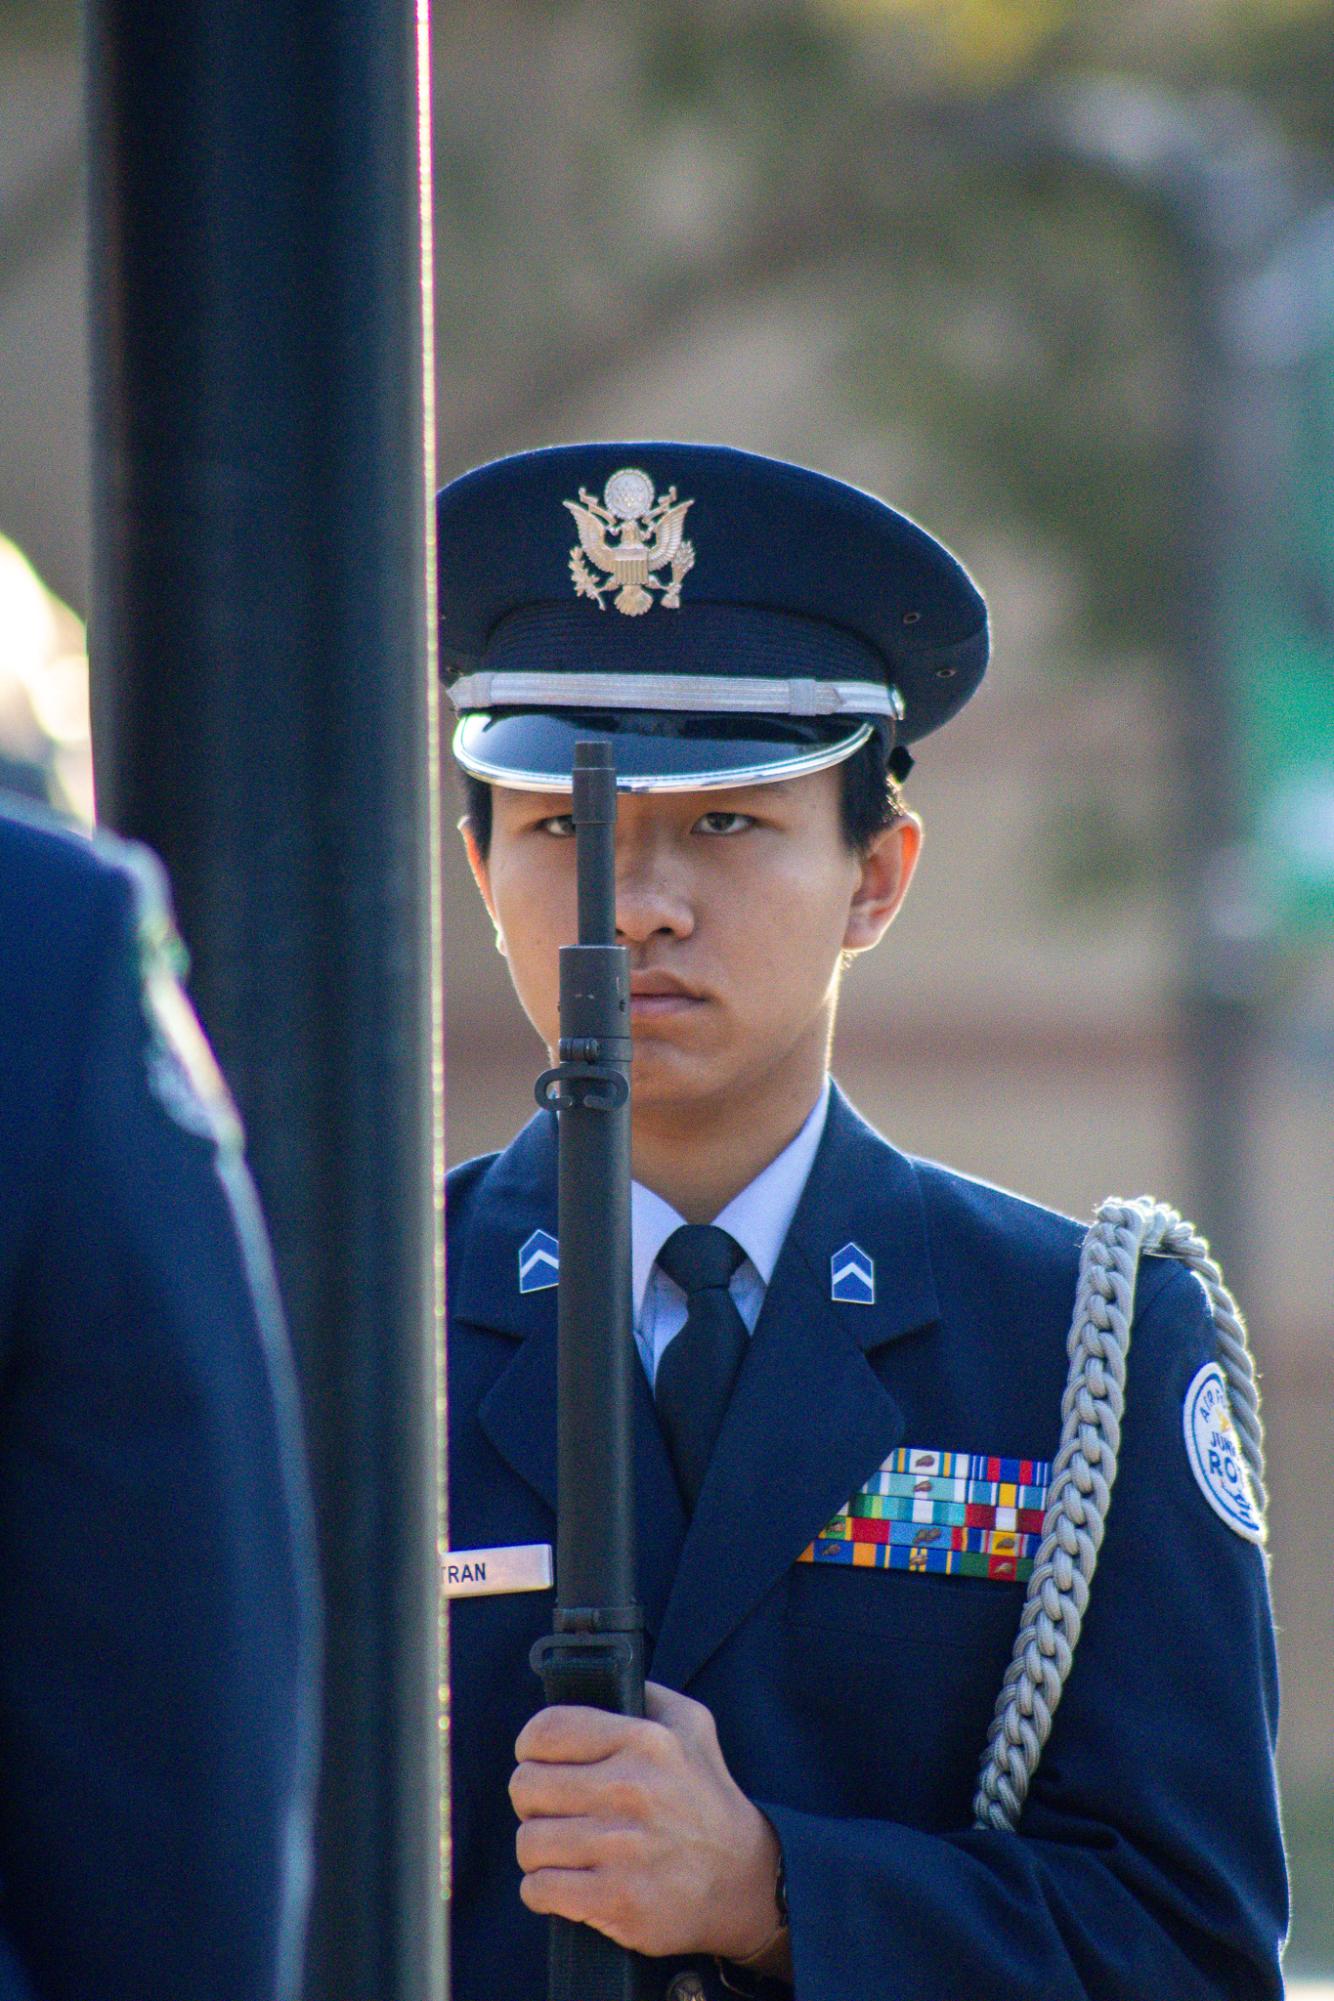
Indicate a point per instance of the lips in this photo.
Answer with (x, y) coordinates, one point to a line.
(655, 996)
(652, 984)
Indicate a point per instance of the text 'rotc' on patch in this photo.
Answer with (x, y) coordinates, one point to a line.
(1215, 1454)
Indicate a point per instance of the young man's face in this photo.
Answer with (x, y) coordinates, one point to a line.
(736, 906)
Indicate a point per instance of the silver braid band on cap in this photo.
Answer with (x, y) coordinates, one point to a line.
(1084, 1472)
(699, 694)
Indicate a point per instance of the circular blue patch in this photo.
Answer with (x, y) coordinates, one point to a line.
(1215, 1454)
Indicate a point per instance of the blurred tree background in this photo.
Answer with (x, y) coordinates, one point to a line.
(807, 226)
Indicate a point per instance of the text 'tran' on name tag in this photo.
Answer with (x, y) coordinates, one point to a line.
(480, 1573)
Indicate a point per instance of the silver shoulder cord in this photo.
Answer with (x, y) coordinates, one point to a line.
(1083, 1474)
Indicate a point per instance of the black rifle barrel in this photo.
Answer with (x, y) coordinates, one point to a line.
(595, 1572)
(595, 1655)
(594, 810)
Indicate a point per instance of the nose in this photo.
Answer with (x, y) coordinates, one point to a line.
(652, 887)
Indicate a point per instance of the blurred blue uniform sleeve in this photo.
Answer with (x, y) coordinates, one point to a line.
(157, 1594)
(1148, 1861)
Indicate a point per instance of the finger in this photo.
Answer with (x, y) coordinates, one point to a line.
(567, 1734)
(666, 1705)
(555, 1791)
(570, 1844)
(678, 1713)
(559, 1893)
(617, 1790)
(589, 1897)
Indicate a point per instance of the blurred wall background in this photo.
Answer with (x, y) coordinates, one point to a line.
(775, 224)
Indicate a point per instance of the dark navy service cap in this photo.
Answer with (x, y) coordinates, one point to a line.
(720, 617)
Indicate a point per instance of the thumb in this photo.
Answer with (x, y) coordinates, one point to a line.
(678, 1713)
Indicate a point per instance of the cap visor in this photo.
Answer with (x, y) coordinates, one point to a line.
(533, 750)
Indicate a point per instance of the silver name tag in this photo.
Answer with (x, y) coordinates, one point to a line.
(477, 1573)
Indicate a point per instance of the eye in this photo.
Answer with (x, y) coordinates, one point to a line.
(560, 826)
(723, 823)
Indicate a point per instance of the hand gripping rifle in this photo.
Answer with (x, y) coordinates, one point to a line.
(596, 1653)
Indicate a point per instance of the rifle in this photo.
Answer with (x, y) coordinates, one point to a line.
(596, 1653)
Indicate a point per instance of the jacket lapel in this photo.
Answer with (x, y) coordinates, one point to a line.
(809, 1419)
(518, 1413)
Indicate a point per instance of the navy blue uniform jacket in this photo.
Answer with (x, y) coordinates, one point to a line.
(853, 1704)
(156, 1592)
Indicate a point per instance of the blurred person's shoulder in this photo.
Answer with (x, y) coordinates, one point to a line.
(66, 898)
(88, 950)
(65, 887)
(56, 876)
(67, 915)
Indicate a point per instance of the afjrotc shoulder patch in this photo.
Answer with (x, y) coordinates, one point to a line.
(1215, 1454)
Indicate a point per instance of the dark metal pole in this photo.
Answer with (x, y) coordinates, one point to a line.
(263, 715)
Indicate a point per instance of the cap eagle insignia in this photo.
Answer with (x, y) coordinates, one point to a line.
(628, 536)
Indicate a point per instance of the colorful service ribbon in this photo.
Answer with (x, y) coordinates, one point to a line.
(962, 1514)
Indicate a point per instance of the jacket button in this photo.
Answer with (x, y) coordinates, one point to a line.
(686, 1987)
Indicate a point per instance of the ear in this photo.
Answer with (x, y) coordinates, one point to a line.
(885, 875)
(481, 876)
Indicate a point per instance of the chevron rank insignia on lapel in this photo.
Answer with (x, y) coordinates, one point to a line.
(966, 1514)
(852, 1277)
(539, 1262)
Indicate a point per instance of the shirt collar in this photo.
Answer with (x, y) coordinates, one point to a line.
(758, 1217)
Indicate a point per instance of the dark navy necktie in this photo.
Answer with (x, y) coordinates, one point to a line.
(699, 1364)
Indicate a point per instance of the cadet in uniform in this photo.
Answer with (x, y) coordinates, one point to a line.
(157, 1591)
(854, 1362)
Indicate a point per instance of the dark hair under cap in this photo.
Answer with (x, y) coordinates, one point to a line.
(723, 617)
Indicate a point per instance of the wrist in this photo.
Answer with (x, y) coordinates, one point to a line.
(747, 1977)
(774, 1959)
(757, 1938)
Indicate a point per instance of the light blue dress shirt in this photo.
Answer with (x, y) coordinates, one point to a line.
(758, 1218)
